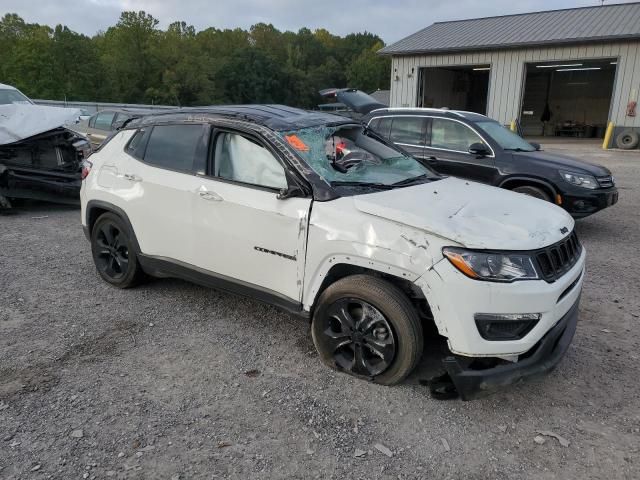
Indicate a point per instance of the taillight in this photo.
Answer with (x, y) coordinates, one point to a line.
(86, 169)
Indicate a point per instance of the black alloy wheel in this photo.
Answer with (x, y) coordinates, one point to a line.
(360, 337)
(113, 252)
(112, 255)
(365, 326)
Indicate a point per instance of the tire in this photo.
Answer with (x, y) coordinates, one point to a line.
(392, 329)
(627, 140)
(113, 252)
(532, 191)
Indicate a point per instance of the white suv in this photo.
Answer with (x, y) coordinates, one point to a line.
(316, 214)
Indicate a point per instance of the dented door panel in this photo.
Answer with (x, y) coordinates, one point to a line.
(250, 235)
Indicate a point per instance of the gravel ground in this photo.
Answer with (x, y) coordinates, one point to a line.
(171, 380)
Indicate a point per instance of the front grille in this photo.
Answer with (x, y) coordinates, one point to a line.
(606, 181)
(555, 260)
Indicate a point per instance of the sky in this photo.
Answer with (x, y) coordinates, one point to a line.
(390, 19)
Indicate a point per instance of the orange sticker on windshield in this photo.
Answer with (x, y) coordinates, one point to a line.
(296, 143)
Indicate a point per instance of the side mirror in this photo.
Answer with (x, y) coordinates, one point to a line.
(479, 149)
(535, 145)
(290, 191)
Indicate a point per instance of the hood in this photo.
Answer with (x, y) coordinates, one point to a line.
(18, 122)
(471, 214)
(356, 100)
(562, 162)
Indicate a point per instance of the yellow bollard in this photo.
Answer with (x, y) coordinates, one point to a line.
(513, 126)
(607, 136)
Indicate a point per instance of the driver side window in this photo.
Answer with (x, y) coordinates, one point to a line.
(452, 135)
(240, 159)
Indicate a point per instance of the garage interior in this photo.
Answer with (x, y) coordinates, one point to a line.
(568, 98)
(458, 88)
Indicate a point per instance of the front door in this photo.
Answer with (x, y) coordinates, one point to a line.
(242, 230)
(447, 151)
(100, 127)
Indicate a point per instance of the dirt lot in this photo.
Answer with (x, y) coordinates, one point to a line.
(97, 382)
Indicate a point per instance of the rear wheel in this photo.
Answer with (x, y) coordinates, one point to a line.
(367, 327)
(113, 252)
(532, 191)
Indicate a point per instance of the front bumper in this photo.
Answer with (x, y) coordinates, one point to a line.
(542, 358)
(580, 203)
(455, 299)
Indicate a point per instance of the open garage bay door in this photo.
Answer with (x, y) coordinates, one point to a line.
(568, 98)
(457, 87)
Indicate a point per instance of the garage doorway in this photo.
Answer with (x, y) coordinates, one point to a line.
(458, 88)
(567, 98)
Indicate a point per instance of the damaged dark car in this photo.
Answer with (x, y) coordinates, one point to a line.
(40, 158)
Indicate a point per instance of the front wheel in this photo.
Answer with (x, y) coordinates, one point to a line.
(367, 327)
(533, 192)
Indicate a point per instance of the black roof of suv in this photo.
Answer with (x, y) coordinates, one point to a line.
(274, 117)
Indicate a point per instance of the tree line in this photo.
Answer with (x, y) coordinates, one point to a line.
(137, 62)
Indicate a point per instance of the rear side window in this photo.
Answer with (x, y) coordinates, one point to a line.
(382, 126)
(409, 130)
(173, 146)
(103, 120)
(136, 144)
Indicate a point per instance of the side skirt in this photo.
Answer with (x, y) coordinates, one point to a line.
(168, 268)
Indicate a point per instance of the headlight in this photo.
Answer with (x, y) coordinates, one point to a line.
(496, 267)
(579, 179)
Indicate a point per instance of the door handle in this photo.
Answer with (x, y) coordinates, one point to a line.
(131, 177)
(209, 195)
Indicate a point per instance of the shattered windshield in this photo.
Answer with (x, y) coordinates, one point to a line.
(346, 156)
(10, 96)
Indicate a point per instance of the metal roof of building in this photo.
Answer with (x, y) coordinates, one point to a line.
(574, 25)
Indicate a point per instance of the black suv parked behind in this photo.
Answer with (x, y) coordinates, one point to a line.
(473, 146)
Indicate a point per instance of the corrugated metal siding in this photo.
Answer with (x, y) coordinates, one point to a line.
(574, 25)
(507, 75)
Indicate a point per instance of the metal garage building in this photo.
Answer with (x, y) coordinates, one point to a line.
(559, 72)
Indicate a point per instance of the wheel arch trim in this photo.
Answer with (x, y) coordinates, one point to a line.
(314, 289)
(101, 205)
(534, 180)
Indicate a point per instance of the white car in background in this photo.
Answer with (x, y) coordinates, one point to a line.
(318, 215)
(12, 96)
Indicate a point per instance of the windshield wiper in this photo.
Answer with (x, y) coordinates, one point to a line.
(517, 149)
(412, 180)
(379, 186)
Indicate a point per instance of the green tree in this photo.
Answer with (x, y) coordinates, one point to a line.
(370, 71)
(136, 62)
(127, 54)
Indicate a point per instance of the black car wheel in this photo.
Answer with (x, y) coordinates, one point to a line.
(367, 327)
(113, 252)
(533, 192)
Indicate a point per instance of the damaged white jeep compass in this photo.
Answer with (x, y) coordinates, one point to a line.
(317, 214)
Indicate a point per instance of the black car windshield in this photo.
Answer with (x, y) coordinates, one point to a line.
(505, 138)
(348, 156)
(9, 96)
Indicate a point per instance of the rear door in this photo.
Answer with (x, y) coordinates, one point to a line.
(447, 151)
(242, 230)
(159, 188)
(410, 133)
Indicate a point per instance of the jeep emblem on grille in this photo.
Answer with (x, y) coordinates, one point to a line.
(564, 230)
